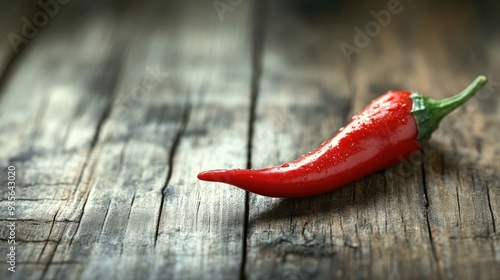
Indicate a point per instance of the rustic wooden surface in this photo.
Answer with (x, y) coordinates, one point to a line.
(111, 110)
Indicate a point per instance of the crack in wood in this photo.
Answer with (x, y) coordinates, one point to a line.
(258, 39)
(52, 254)
(113, 64)
(429, 229)
(172, 152)
(491, 210)
(458, 200)
(105, 218)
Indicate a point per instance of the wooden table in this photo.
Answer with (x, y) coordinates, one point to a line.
(111, 109)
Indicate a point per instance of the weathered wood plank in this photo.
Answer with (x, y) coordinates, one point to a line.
(201, 225)
(303, 100)
(109, 116)
(146, 215)
(461, 163)
(398, 223)
(47, 131)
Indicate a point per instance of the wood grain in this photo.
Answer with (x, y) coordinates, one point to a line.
(393, 224)
(201, 227)
(112, 111)
(54, 124)
(114, 216)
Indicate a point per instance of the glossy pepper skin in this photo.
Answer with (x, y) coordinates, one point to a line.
(387, 131)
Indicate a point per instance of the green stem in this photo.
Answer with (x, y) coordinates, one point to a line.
(429, 112)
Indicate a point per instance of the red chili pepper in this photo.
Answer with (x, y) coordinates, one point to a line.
(387, 131)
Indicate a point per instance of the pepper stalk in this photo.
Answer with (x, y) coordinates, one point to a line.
(429, 112)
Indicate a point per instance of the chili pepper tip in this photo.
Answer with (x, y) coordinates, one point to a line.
(218, 175)
(205, 176)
